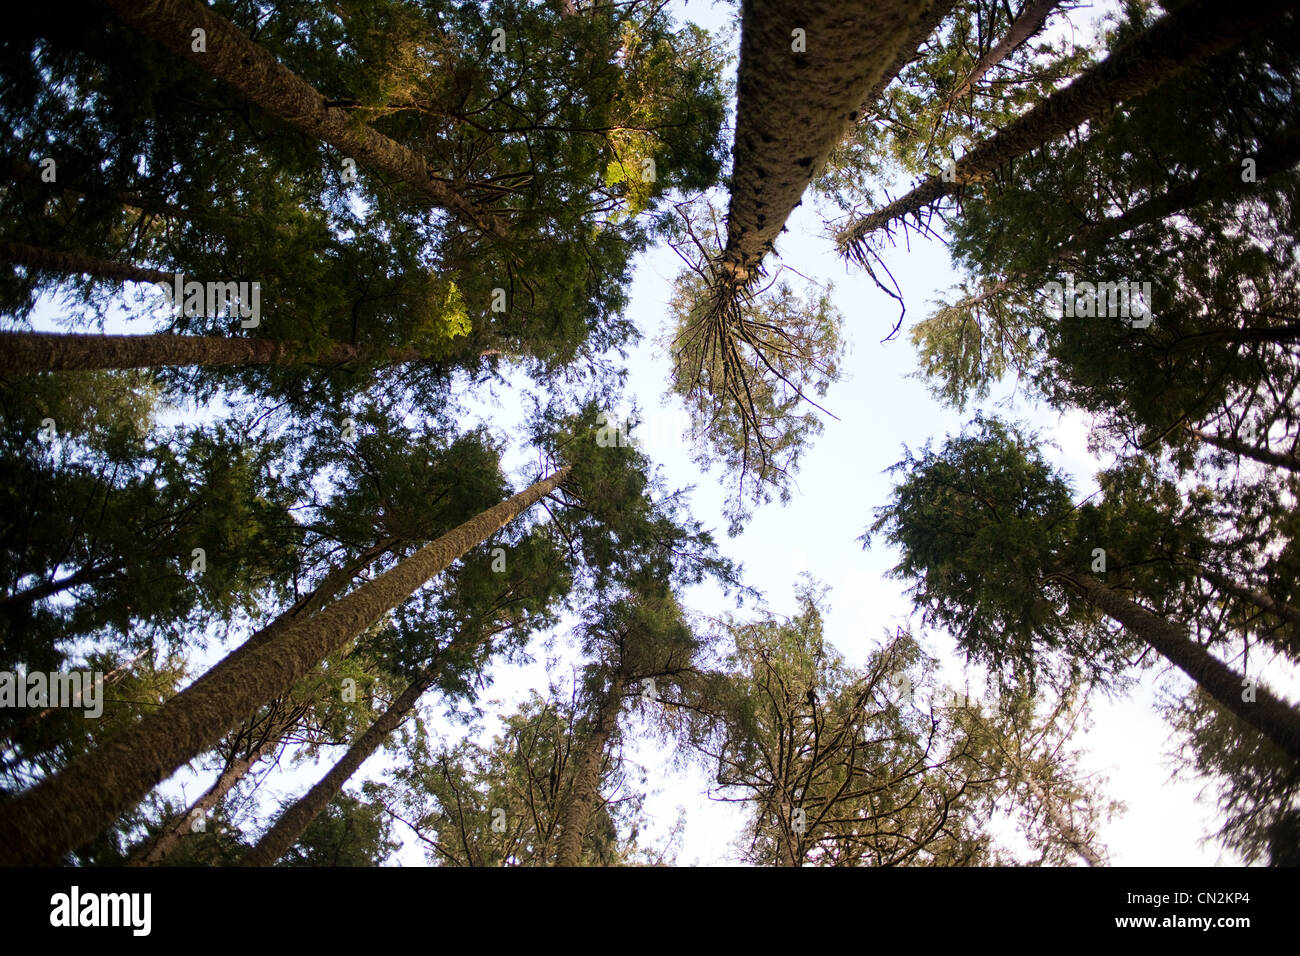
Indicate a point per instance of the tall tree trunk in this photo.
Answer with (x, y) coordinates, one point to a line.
(1261, 599)
(1264, 456)
(65, 810)
(293, 821)
(52, 260)
(1270, 715)
(1275, 154)
(169, 839)
(1026, 25)
(1063, 826)
(22, 353)
(794, 106)
(330, 585)
(235, 59)
(40, 592)
(581, 800)
(1176, 43)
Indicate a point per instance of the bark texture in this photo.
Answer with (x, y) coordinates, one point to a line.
(1265, 456)
(235, 59)
(581, 800)
(22, 353)
(293, 821)
(59, 814)
(171, 837)
(1177, 42)
(794, 107)
(1270, 715)
(52, 260)
(1026, 25)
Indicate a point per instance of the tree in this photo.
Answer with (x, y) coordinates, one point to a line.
(1255, 781)
(481, 606)
(54, 816)
(733, 359)
(1197, 30)
(745, 371)
(499, 805)
(1027, 748)
(237, 60)
(350, 832)
(841, 767)
(996, 549)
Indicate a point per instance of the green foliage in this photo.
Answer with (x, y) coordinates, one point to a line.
(453, 796)
(840, 767)
(982, 524)
(916, 127)
(747, 362)
(348, 832)
(1256, 785)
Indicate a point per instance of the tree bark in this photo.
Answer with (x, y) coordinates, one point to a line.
(169, 839)
(581, 799)
(793, 107)
(1026, 25)
(1078, 842)
(1264, 456)
(330, 585)
(22, 353)
(52, 260)
(1177, 42)
(293, 821)
(237, 60)
(60, 813)
(1261, 599)
(1270, 715)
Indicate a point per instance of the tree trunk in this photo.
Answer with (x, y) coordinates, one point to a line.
(1026, 25)
(1264, 456)
(293, 821)
(71, 263)
(907, 52)
(1270, 715)
(169, 839)
(330, 585)
(1276, 154)
(1177, 42)
(793, 107)
(40, 592)
(232, 57)
(60, 813)
(581, 799)
(22, 353)
(1078, 842)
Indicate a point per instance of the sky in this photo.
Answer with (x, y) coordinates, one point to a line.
(878, 409)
